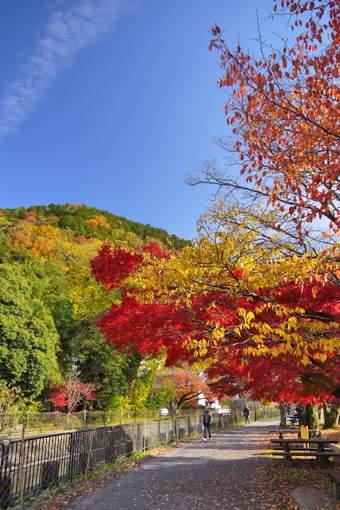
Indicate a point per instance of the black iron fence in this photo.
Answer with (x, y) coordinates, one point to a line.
(32, 463)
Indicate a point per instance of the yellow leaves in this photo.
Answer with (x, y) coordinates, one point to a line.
(275, 352)
(304, 360)
(230, 260)
(98, 221)
(250, 316)
(47, 231)
(257, 339)
(320, 356)
(217, 333)
(265, 329)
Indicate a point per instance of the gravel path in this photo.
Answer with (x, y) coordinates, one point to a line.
(222, 473)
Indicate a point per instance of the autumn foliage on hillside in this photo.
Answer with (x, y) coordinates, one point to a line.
(46, 252)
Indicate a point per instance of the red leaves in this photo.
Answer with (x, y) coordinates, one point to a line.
(71, 393)
(163, 326)
(113, 265)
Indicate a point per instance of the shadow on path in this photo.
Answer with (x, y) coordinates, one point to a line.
(222, 473)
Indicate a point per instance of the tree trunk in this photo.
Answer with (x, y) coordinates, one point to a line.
(331, 415)
(311, 417)
(283, 408)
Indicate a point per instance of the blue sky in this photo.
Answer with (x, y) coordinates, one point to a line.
(109, 103)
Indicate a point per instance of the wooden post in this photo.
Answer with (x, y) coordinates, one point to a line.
(304, 434)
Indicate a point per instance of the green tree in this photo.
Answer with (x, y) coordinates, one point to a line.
(28, 339)
(100, 363)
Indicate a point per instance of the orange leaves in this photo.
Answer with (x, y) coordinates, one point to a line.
(20, 235)
(42, 248)
(98, 221)
(314, 291)
(261, 80)
(290, 119)
(216, 30)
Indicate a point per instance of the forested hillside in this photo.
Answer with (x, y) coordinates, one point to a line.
(81, 220)
(49, 300)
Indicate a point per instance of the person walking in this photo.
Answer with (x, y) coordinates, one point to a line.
(299, 413)
(207, 421)
(246, 414)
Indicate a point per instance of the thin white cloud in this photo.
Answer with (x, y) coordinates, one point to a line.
(66, 33)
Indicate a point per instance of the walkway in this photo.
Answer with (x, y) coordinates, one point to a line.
(224, 473)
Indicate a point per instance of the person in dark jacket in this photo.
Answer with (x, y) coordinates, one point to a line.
(299, 413)
(207, 421)
(246, 414)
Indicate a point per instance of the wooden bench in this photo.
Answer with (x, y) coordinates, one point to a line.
(335, 477)
(322, 457)
(308, 453)
(315, 447)
(282, 432)
(293, 419)
(273, 431)
(301, 448)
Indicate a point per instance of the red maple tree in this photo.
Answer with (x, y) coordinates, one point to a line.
(152, 327)
(71, 393)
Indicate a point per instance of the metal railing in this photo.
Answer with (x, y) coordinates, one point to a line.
(37, 462)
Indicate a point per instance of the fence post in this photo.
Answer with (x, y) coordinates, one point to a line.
(144, 439)
(89, 455)
(22, 456)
